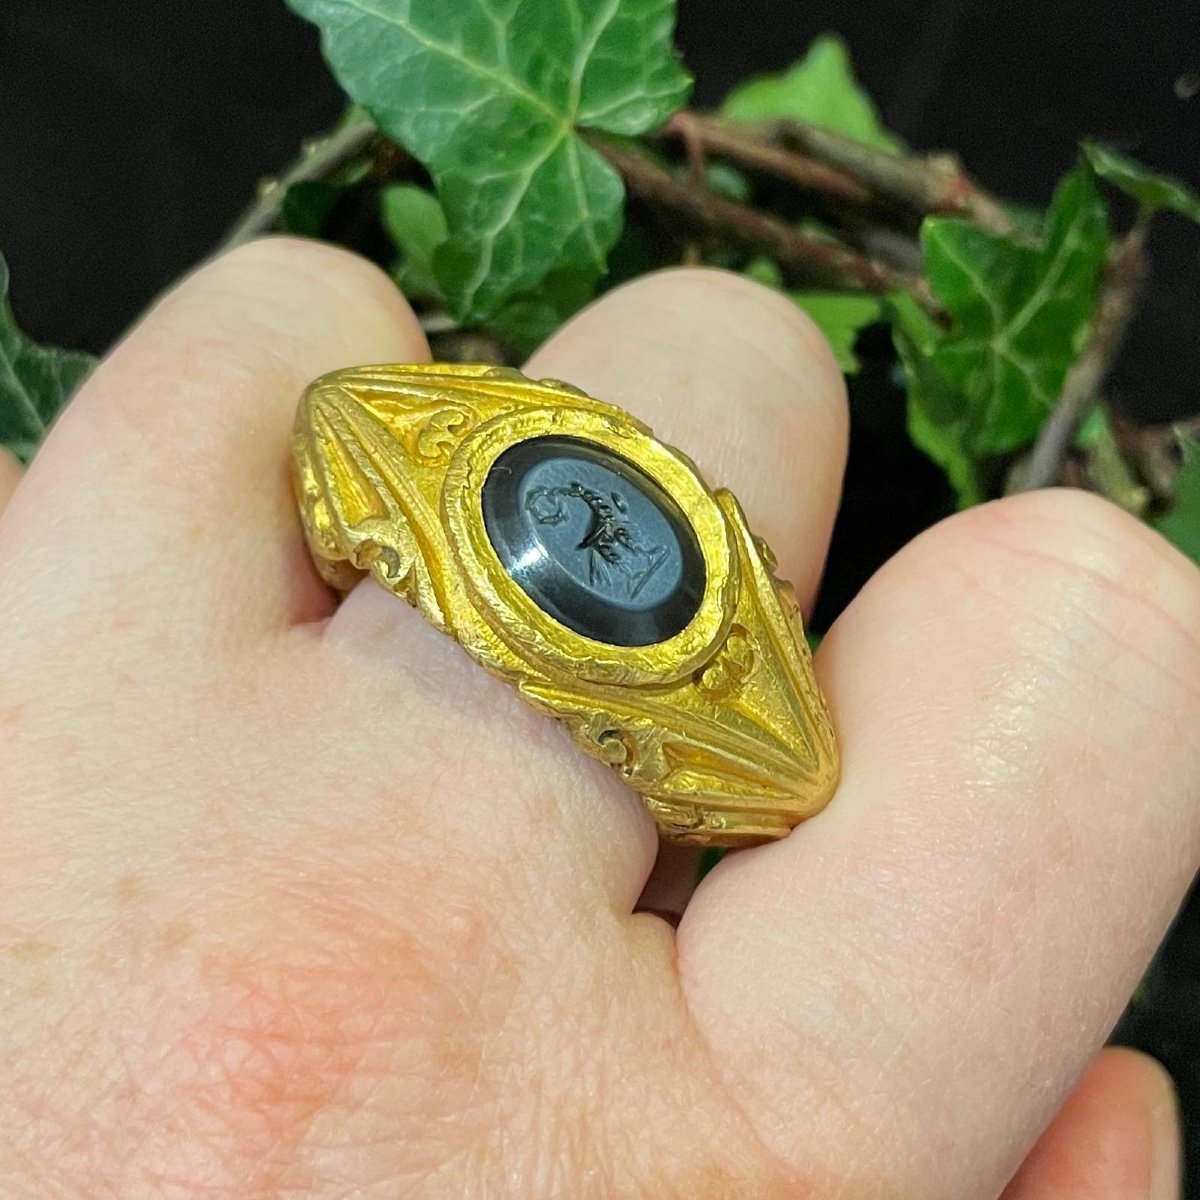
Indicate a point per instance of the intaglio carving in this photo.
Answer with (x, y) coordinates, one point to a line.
(720, 726)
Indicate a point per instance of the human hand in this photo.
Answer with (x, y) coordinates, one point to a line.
(297, 902)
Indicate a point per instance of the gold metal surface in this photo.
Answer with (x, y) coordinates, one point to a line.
(721, 728)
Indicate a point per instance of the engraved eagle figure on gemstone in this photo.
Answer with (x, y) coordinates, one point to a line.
(721, 728)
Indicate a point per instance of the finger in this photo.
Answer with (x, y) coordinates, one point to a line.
(939, 952)
(165, 482)
(10, 476)
(738, 378)
(1115, 1138)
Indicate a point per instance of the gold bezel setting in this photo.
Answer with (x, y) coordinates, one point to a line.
(720, 727)
(518, 619)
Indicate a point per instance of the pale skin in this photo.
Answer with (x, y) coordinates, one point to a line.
(296, 902)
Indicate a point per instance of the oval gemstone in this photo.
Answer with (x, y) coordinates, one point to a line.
(593, 541)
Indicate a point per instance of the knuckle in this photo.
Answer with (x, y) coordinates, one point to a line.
(1067, 579)
(749, 309)
(313, 264)
(244, 334)
(289, 298)
(1076, 544)
(776, 364)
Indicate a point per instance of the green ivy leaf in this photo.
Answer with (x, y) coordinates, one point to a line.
(1150, 189)
(1028, 218)
(1020, 313)
(1182, 524)
(727, 181)
(636, 253)
(35, 381)
(1094, 430)
(1106, 466)
(765, 271)
(491, 95)
(527, 320)
(840, 316)
(820, 89)
(937, 417)
(416, 224)
(708, 859)
(306, 205)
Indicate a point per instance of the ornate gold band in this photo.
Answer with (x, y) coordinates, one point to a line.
(589, 565)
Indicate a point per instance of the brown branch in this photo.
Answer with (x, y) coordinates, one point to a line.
(319, 159)
(858, 215)
(697, 161)
(1081, 388)
(898, 250)
(731, 140)
(930, 184)
(804, 257)
(852, 172)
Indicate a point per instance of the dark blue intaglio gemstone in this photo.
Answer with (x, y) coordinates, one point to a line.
(593, 541)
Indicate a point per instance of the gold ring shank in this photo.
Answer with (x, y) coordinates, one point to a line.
(720, 726)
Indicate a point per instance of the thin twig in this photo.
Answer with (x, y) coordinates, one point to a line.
(697, 161)
(1081, 387)
(436, 321)
(731, 140)
(852, 172)
(929, 184)
(898, 250)
(318, 160)
(802, 256)
(864, 221)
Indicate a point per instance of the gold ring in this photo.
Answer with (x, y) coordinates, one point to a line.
(588, 564)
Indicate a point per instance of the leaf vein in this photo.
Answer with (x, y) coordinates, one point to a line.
(507, 83)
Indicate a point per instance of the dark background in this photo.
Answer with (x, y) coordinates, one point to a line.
(134, 133)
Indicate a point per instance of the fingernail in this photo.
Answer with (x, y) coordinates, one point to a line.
(1166, 1182)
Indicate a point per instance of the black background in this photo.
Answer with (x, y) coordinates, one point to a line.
(133, 134)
